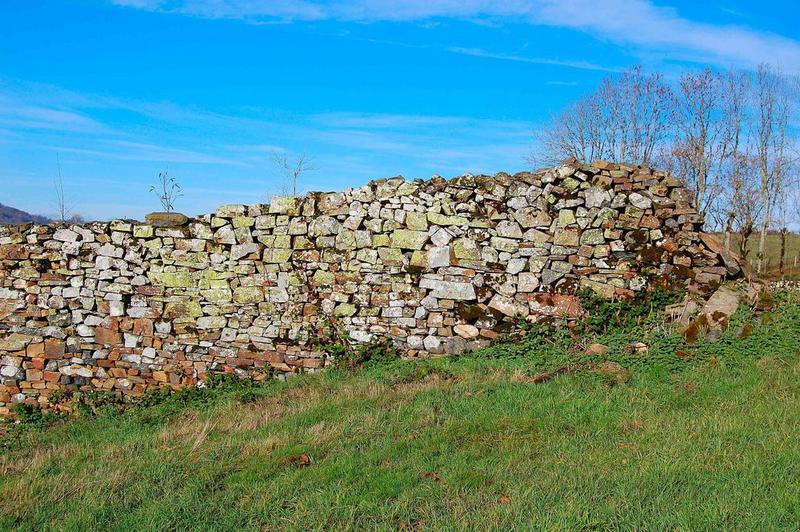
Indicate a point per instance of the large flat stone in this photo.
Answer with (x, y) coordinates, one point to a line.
(166, 219)
(441, 289)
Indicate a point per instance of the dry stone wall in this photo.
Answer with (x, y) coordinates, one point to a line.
(438, 266)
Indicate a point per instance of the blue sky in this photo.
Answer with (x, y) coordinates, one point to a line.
(208, 89)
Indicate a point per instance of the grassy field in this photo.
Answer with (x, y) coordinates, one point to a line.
(705, 436)
(773, 252)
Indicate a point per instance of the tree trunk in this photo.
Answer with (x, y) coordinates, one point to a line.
(744, 238)
(762, 240)
(783, 251)
(729, 230)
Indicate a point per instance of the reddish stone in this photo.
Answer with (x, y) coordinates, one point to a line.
(671, 246)
(281, 366)
(54, 348)
(717, 270)
(184, 328)
(400, 332)
(561, 305)
(13, 252)
(604, 165)
(51, 376)
(239, 362)
(650, 222)
(35, 350)
(490, 334)
(107, 336)
(149, 290)
(313, 363)
(624, 293)
(253, 355)
(273, 357)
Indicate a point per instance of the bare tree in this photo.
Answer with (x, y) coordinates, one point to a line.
(168, 190)
(642, 111)
(772, 107)
(702, 137)
(735, 186)
(580, 131)
(292, 170)
(744, 204)
(625, 119)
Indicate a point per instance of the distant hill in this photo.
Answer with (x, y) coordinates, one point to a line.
(10, 215)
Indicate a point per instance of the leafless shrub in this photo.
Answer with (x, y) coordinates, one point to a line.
(291, 170)
(168, 190)
(64, 211)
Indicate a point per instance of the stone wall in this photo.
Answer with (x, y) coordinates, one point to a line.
(439, 266)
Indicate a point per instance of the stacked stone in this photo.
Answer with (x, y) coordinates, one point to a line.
(439, 266)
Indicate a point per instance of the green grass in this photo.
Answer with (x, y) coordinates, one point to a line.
(707, 440)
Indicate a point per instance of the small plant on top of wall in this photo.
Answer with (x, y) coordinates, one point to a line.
(168, 190)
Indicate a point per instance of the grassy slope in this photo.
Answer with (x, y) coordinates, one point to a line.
(450, 443)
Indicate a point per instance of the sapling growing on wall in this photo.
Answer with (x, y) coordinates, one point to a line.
(64, 212)
(292, 170)
(168, 191)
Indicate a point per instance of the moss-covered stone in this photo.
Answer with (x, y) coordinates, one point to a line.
(344, 310)
(441, 219)
(407, 239)
(248, 294)
(173, 279)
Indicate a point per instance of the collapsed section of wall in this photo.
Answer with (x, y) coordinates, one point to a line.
(439, 266)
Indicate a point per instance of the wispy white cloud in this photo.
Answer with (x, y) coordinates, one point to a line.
(16, 114)
(120, 150)
(731, 11)
(357, 10)
(642, 23)
(154, 152)
(372, 120)
(639, 23)
(583, 65)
